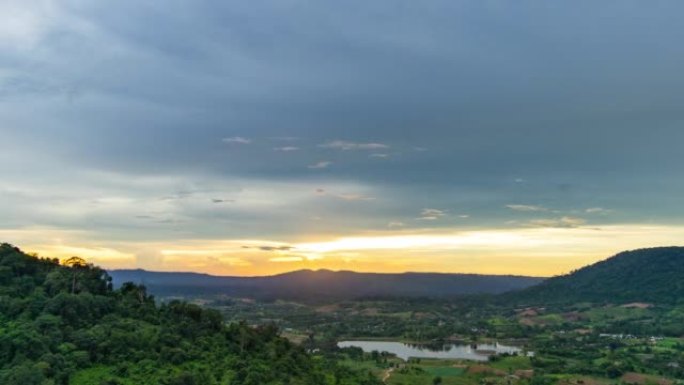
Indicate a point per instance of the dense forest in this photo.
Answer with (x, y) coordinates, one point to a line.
(65, 324)
(649, 275)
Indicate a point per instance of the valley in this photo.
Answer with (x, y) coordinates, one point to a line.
(67, 324)
(341, 193)
(574, 343)
(562, 338)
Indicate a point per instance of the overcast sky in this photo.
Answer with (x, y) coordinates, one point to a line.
(259, 137)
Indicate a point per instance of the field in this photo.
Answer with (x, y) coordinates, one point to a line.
(580, 343)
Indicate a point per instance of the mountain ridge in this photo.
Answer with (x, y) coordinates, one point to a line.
(648, 274)
(302, 271)
(325, 284)
(653, 274)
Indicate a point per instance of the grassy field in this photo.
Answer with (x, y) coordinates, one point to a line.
(512, 363)
(450, 372)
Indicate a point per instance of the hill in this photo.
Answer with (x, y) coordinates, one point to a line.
(644, 275)
(308, 285)
(67, 325)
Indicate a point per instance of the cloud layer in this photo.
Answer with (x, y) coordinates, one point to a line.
(219, 122)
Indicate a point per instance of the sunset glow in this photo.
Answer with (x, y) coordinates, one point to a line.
(530, 251)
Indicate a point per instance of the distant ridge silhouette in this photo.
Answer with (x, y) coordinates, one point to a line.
(324, 284)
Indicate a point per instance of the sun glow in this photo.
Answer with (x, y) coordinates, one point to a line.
(523, 251)
(441, 241)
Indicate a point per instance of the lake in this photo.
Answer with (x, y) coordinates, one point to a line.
(479, 352)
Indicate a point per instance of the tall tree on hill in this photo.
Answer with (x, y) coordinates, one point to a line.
(76, 264)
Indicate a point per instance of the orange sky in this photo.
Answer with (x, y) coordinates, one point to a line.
(532, 251)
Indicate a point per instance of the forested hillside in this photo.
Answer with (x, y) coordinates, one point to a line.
(67, 325)
(650, 275)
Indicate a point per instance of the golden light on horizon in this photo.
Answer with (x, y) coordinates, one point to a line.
(521, 251)
(475, 238)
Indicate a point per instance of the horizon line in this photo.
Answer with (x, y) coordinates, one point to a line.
(332, 271)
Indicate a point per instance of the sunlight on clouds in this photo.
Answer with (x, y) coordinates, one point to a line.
(286, 259)
(204, 262)
(523, 251)
(488, 239)
(539, 251)
(58, 243)
(190, 253)
(96, 255)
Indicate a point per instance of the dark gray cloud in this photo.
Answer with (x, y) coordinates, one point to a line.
(484, 108)
(275, 248)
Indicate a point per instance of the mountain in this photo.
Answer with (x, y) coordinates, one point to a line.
(65, 324)
(644, 275)
(325, 284)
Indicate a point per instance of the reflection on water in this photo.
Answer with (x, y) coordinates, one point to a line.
(479, 352)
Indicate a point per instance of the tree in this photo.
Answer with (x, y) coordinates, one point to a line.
(76, 264)
(57, 321)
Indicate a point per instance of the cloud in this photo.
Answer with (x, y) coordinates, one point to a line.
(597, 210)
(267, 247)
(563, 222)
(431, 214)
(526, 208)
(286, 148)
(395, 224)
(172, 92)
(354, 197)
(379, 155)
(287, 259)
(345, 196)
(200, 259)
(177, 196)
(320, 165)
(26, 22)
(237, 140)
(217, 200)
(275, 248)
(350, 146)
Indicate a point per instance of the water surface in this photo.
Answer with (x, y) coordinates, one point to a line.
(479, 352)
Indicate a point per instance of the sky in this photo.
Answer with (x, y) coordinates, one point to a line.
(254, 138)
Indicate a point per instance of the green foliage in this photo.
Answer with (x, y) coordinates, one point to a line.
(648, 275)
(64, 324)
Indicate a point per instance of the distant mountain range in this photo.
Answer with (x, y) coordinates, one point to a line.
(324, 284)
(648, 275)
